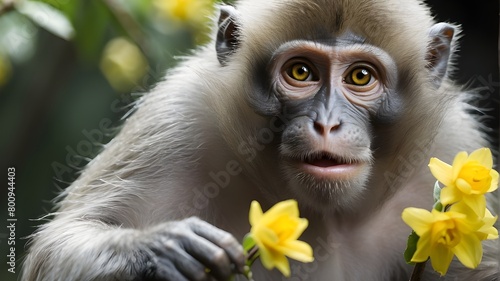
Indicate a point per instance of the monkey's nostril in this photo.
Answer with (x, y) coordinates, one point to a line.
(334, 127)
(319, 128)
(325, 129)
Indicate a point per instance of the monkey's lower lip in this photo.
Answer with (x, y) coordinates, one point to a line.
(338, 171)
(327, 166)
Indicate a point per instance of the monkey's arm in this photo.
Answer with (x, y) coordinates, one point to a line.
(118, 220)
(71, 248)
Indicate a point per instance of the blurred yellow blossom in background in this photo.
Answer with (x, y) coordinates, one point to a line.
(5, 70)
(123, 64)
(191, 12)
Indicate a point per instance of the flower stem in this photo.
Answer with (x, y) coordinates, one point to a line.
(251, 254)
(418, 270)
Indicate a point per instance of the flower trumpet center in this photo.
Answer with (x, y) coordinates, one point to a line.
(476, 176)
(283, 227)
(446, 233)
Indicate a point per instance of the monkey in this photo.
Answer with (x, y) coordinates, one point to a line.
(336, 104)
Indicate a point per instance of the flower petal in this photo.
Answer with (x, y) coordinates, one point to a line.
(287, 207)
(423, 249)
(464, 209)
(271, 258)
(282, 264)
(458, 163)
(265, 237)
(450, 195)
(255, 213)
(483, 156)
(463, 186)
(298, 250)
(488, 231)
(469, 251)
(266, 258)
(494, 180)
(419, 220)
(441, 258)
(477, 203)
(299, 228)
(441, 171)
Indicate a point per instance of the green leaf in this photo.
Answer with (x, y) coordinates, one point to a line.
(248, 242)
(438, 206)
(437, 192)
(47, 17)
(411, 247)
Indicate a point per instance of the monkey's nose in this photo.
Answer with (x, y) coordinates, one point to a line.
(325, 129)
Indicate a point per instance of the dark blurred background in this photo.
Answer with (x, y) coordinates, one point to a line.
(67, 68)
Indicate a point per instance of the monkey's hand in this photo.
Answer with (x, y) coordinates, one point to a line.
(193, 249)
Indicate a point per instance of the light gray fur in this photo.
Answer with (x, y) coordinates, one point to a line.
(196, 122)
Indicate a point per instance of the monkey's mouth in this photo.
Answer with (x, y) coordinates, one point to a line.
(328, 165)
(325, 159)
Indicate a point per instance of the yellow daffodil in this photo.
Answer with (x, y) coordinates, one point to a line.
(276, 232)
(444, 234)
(467, 179)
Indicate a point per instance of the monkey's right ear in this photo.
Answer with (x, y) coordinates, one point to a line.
(439, 50)
(227, 40)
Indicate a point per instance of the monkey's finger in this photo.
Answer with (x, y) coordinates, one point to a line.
(222, 239)
(166, 271)
(210, 255)
(190, 267)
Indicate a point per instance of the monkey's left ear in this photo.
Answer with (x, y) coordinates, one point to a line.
(439, 50)
(227, 40)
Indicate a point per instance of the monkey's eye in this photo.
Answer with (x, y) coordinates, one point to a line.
(300, 72)
(359, 76)
(298, 78)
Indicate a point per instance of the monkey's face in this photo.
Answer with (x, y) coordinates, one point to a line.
(329, 95)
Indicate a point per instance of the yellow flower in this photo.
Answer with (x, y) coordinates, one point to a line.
(444, 234)
(276, 232)
(468, 179)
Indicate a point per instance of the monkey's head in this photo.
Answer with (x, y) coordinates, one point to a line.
(345, 87)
